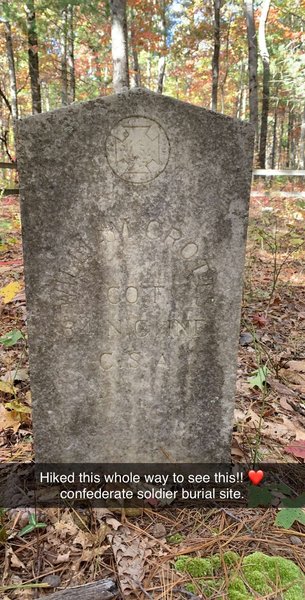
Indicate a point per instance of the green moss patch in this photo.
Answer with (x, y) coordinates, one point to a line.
(250, 578)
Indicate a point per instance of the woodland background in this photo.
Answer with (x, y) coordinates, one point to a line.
(244, 58)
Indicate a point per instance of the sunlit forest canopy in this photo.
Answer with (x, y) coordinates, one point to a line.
(54, 52)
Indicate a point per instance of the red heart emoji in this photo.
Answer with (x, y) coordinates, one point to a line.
(255, 476)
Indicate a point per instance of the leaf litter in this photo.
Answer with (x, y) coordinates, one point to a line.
(82, 546)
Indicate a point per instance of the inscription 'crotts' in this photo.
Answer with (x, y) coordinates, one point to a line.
(137, 149)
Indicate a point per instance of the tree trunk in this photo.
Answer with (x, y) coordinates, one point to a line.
(97, 66)
(302, 149)
(215, 59)
(239, 102)
(13, 105)
(70, 53)
(280, 143)
(136, 66)
(289, 133)
(6, 102)
(273, 151)
(148, 69)
(162, 58)
(119, 45)
(266, 82)
(223, 83)
(252, 65)
(33, 57)
(64, 62)
(292, 154)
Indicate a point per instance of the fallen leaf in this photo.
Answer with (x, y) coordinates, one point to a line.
(295, 377)
(113, 523)
(16, 375)
(248, 417)
(280, 388)
(18, 407)
(259, 378)
(89, 555)
(9, 291)
(131, 553)
(300, 434)
(62, 557)
(66, 526)
(15, 562)
(297, 365)
(297, 448)
(8, 419)
(7, 388)
(285, 405)
(84, 539)
(11, 338)
(259, 320)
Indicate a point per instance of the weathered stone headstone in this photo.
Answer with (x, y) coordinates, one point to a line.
(134, 213)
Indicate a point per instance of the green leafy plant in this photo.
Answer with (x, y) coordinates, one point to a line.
(287, 516)
(11, 338)
(175, 538)
(259, 378)
(32, 524)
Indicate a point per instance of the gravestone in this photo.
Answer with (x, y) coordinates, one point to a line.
(134, 215)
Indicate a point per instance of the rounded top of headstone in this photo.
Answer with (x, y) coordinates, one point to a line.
(137, 149)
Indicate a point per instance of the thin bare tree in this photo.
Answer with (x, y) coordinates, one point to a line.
(216, 52)
(266, 82)
(252, 64)
(33, 56)
(119, 42)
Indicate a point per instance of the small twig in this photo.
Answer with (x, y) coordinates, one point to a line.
(235, 518)
(142, 588)
(190, 595)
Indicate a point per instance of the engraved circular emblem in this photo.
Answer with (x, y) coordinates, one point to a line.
(137, 149)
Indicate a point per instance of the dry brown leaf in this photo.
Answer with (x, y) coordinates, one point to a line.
(8, 419)
(295, 377)
(14, 560)
(84, 539)
(61, 558)
(299, 434)
(285, 428)
(276, 431)
(101, 513)
(297, 365)
(243, 388)
(280, 388)
(16, 375)
(238, 452)
(285, 405)
(248, 417)
(91, 553)
(131, 552)
(105, 515)
(66, 526)
(102, 531)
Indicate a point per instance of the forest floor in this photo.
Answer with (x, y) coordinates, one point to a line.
(138, 548)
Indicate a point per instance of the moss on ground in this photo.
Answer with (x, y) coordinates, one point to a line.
(254, 574)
